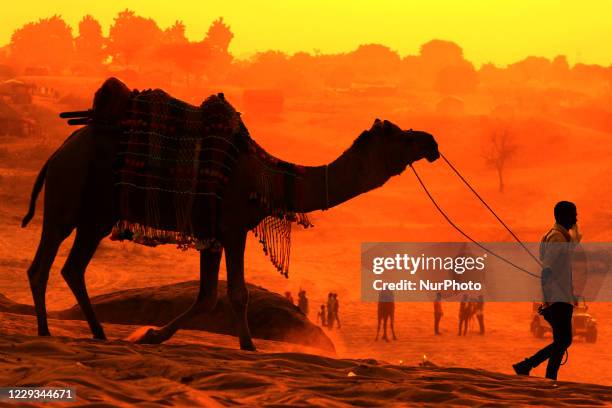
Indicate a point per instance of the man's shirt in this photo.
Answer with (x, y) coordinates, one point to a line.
(556, 253)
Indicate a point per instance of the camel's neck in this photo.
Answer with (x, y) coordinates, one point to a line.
(323, 187)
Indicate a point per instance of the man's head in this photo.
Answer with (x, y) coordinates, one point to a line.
(566, 214)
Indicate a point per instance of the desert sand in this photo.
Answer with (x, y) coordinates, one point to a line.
(193, 370)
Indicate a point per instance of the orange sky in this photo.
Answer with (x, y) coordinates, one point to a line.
(501, 32)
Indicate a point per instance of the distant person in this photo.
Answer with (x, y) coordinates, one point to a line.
(289, 297)
(437, 313)
(386, 311)
(464, 314)
(322, 316)
(330, 311)
(480, 314)
(336, 309)
(303, 302)
(472, 311)
(557, 289)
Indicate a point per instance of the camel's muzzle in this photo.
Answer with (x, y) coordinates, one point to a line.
(433, 156)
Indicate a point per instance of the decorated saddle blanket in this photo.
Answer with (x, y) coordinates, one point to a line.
(172, 166)
(173, 163)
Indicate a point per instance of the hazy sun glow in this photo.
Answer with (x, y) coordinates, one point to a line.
(501, 32)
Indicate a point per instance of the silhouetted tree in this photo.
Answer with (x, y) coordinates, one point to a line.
(175, 34)
(176, 50)
(89, 45)
(132, 39)
(440, 53)
(216, 44)
(315, 71)
(560, 66)
(499, 149)
(437, 66)
(219, 36)
(47, 42)
(531, 69)
(374, 63)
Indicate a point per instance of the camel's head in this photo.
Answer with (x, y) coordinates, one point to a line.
(399, 148)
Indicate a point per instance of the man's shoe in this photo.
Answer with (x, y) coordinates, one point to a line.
(522, 368)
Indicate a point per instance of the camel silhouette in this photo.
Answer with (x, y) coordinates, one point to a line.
(80, 194)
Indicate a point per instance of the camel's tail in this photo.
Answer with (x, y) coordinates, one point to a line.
(40, 181)
(35, 191)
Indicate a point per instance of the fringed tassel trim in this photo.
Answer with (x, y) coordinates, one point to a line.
(150, 236)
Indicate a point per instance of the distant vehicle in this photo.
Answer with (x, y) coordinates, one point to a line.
(583, 324)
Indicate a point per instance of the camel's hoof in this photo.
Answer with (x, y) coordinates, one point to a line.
(98, 334)
(247, 346)
(146, 335)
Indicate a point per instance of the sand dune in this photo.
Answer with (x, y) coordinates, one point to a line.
(270, 315)
(192, 370)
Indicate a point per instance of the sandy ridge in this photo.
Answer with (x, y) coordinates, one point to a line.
(183, 372)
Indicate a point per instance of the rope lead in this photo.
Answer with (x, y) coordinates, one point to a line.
(491, 210)
(463, 233)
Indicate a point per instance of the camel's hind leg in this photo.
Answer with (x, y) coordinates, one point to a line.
(84, 246)
(237, 290)
(205, 301)
(38, 273)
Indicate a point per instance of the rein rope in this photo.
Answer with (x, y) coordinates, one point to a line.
(456, 227)
(491, 210)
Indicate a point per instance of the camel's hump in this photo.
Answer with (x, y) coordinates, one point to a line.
(112, 101)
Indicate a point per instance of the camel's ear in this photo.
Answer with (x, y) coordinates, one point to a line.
(376, 121)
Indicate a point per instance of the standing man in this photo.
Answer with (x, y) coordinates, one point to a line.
(322, 316)
(557, 289)
(437, 313)
(464, 314)
(337, 309)
(480, 313)
(303, 302)
(330, 311)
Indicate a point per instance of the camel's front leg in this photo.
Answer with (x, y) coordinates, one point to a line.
(205, 302)
(237, 290)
